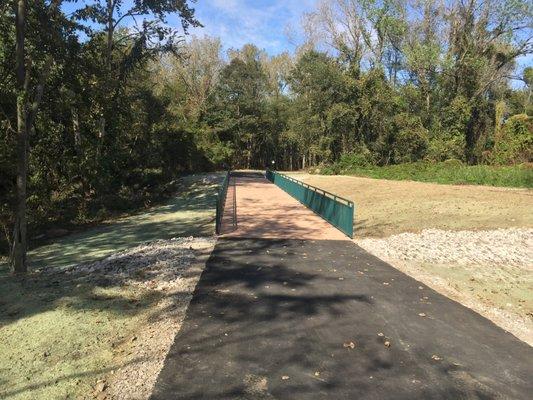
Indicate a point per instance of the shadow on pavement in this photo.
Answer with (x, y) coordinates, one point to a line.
(277, 319)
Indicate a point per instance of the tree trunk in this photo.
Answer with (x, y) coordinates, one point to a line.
(109, 71)
(18, 256)
(528, 99)
(110, 29)
(76, 130)
(472, 136)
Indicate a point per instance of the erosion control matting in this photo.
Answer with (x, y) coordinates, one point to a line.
(306, 319)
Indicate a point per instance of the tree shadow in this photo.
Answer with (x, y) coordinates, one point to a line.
(44, 383)
(88, 287)
(91, 295)
(284, 312)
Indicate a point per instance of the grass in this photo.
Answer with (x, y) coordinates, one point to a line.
(445, 172)
(59, 332)
(57, 338)
(189, 213)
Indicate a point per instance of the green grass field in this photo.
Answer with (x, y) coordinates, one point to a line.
(444, 172)
(58, 331)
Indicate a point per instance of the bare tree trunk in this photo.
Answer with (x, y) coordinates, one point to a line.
(528, 99)
(76, 129)
(18, 255)
(110, 28)
(109, 70)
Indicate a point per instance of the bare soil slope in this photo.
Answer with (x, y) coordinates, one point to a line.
(386, 207)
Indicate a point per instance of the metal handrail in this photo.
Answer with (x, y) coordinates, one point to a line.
(341, 214)
(221, 201)
(317, 189)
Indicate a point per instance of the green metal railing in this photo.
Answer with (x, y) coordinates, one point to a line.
(337, 210)
(221, 201)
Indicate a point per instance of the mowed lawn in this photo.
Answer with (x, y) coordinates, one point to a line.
(59, 332)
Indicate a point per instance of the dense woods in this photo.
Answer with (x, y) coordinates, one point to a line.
(112, 114)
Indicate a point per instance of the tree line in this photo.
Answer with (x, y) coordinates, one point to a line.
(101, 117)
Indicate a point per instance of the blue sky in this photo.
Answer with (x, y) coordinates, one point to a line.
(237, 22)
(262, 22)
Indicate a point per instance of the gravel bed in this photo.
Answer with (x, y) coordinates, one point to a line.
(157, 265)
(489, 271)
(169, 267)
(511, 247)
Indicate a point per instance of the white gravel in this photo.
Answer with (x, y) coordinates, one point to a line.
(489, 271)
(511, 247)
(157, 265)
(171, 267)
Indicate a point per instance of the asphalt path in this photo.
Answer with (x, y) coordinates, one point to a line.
(323, 319)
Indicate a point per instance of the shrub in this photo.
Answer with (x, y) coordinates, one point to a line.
(360, 156)
(453, 162)
(411, 139)
(447, 138)
(515, 144)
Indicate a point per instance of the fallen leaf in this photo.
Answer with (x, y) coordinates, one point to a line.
(422, 314)
(436, 357)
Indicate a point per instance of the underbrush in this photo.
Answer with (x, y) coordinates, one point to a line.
(447, 172)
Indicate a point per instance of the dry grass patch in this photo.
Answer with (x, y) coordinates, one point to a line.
(385, 208)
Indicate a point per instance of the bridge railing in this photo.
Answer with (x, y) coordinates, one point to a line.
(336, 210)
(221, 202)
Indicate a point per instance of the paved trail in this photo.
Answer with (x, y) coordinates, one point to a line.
(276, 319)
(266, 211)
